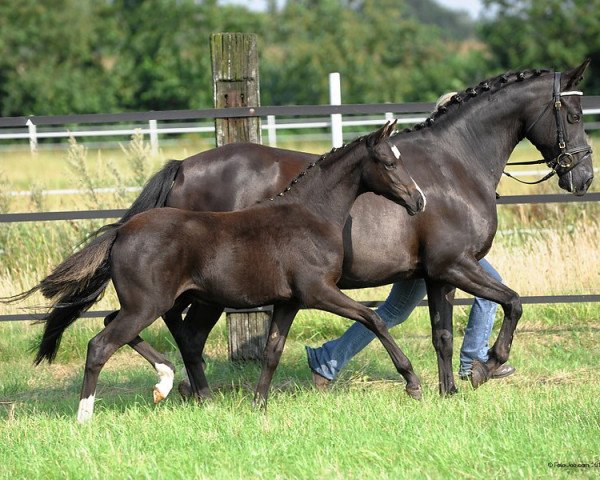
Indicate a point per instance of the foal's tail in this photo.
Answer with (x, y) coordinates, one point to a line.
(75, 285)
(79, 281)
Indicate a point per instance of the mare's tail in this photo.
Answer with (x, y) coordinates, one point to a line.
(154, 194)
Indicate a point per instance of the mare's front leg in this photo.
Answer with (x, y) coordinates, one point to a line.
(468, 275)
(164, 368)
(329, 298)
(439, 299)
(283, 316)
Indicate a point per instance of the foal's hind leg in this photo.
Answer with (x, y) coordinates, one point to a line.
(439, 299)
(164, 368)
(283, 316)
(468, 275)
(190, 336)
(331, 299)
(117, 333)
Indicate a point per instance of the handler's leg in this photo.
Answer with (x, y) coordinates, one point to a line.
(327, 360)
(475, 344)
(331, 299)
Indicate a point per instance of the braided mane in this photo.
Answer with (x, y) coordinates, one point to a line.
(303, 173)
(491, 86)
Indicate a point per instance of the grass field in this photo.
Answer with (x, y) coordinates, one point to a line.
(363, 427)
(532, 425)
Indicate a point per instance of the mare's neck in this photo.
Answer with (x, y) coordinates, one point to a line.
(482, 132)
(330, 188)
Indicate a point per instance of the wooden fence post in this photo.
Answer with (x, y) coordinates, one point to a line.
(235, 83)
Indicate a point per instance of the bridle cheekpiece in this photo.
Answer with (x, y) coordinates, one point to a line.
(566, 159)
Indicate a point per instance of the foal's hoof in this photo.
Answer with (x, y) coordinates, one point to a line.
(157, 395)
(480, 373)
(415, 392)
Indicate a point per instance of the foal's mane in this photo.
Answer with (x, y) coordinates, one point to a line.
(332, 155)
(489, 86)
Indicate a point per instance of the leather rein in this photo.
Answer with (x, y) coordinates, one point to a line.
(566, 158)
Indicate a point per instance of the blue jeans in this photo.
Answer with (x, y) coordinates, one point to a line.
(405, 295)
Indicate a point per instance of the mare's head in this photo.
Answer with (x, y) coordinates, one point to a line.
(555, 127)
(385, 174)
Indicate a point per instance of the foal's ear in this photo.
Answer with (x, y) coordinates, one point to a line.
(575, 75)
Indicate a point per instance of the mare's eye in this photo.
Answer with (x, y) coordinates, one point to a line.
(574, 117)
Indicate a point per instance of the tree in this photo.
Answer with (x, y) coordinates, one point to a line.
(53, 57)
(544, 33)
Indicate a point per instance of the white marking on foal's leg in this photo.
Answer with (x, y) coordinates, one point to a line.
(165, 385)
(86, 409)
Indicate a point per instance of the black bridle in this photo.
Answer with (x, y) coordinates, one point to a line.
(566, 159)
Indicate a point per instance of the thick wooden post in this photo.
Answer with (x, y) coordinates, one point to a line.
(235, 82)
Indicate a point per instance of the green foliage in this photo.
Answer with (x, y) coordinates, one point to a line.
(67, 56)
(552, 33)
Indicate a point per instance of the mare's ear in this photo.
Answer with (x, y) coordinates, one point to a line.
(575, 75)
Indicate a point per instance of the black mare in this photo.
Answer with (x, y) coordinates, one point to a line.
(457, 156)
(287, 252)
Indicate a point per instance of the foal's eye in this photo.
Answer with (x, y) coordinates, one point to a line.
(390, 166)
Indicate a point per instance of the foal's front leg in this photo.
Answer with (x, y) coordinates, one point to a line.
(329, 298)
(283, 316)
(439, 299)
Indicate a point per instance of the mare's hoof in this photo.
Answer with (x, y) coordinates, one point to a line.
(415, 392)
(480, 373)
(259, 404)
(185, 389)
(448, 392)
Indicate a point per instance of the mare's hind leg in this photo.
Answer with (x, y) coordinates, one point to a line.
(283, 316)
(439, 299)
(331, 299)
(117, 333)
(164, 368)
(468, 275)
(190, 336)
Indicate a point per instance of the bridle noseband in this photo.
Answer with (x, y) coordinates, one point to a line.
(566, 159)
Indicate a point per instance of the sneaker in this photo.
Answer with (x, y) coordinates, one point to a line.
(503, 371)
(320, 382)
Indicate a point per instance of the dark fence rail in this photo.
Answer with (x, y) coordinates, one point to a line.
(589, 103)
(105, 214)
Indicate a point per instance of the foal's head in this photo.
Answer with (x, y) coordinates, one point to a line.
(387, 175)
